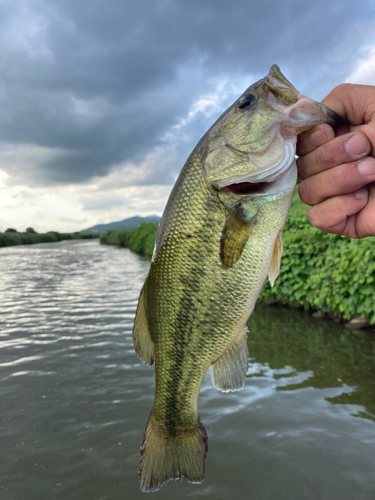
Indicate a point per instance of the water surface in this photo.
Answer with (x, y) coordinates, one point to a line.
(75, 398)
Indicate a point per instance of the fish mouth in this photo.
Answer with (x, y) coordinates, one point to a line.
(246, 188)
(273, 185)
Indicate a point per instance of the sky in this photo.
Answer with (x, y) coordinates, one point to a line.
(101, 101)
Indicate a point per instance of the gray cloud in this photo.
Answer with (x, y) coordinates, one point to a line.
(101, 84)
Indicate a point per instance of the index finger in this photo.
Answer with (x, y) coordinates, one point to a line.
(312, 139)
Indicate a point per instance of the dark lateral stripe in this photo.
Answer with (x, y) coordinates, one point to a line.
(186, 323)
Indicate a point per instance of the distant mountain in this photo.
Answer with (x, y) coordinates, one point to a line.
(122, 224)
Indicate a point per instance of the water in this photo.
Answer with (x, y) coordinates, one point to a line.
(75, 398)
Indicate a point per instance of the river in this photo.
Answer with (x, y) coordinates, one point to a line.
(75, 398)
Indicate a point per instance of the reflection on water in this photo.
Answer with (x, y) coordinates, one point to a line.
(333, 355)
(75, 398)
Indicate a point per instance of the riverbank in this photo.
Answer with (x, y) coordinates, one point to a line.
(140, 239)
(11, 239)
(329, 273)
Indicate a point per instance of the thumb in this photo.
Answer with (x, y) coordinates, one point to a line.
(354, 103)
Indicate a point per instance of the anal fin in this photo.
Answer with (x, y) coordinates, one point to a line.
(274, 269)
(228, 373)
(143, 343)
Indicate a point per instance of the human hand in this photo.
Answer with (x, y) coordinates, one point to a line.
(338, 169)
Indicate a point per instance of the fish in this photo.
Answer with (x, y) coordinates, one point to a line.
(219, 238)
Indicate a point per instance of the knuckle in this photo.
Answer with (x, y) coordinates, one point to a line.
(340, 90)
(324, 157)
(339, 177)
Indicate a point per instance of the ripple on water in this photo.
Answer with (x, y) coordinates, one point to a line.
(75, 397)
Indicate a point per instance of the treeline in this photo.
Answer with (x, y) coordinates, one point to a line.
(10, 238)
(326, 272)
(140, 239)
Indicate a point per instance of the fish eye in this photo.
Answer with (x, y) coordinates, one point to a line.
(246, 101)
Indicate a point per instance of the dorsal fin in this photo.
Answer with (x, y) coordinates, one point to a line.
(143, 343)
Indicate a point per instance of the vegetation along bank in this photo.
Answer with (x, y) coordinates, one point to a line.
(326, 272)
(12, 237)
(140, 239)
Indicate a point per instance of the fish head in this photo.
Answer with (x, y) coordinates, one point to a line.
(253, 143)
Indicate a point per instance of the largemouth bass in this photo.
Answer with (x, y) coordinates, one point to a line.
(219, 238)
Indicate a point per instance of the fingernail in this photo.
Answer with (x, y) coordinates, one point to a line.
(356, 145)
(318, 138)
(361, 194)
(366, 166)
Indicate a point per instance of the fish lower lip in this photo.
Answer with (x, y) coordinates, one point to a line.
(244, 188)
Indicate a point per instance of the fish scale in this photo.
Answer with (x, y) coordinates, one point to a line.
(214, 249)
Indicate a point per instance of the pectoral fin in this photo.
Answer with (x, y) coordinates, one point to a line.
(143, 343)
(235, 234)
(228, 373)
(276, 258)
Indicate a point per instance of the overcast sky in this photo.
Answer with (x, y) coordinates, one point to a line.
(103, 100)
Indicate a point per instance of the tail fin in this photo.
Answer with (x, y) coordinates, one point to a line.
(165, 457)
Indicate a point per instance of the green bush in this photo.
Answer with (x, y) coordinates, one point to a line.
(110, 237)
(7, 239)
(323, 271)
(140, 239)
